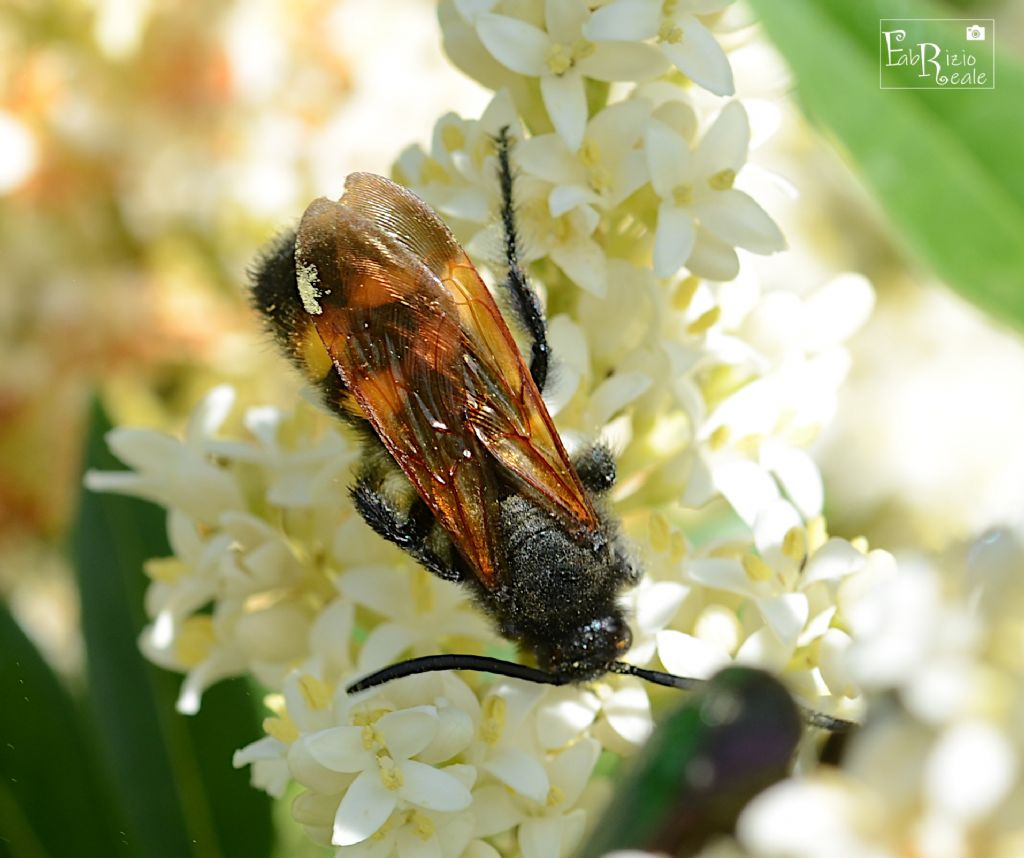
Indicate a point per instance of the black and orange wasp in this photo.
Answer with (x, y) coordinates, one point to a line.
(377, 304)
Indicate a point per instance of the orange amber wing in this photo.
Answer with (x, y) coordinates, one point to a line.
(506, 410)
(421, 346)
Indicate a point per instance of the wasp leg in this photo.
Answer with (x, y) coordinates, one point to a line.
(596, 467)
(523, 299)
(409, 532)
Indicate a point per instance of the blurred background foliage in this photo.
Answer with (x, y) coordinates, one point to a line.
(147, 148)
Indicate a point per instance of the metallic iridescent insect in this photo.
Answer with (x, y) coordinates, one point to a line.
(378, 305)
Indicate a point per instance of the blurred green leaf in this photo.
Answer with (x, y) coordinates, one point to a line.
(173, 774)
(945, 165)
(725, 744)
(52, 791)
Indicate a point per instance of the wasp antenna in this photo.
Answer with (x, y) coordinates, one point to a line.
(657, 677)
(433, 663)
(670, 680)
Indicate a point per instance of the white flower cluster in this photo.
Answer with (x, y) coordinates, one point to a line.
(938, 770)
(635, 230)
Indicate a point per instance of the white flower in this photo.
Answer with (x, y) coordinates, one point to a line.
(432, 612)
(607, 168)
(380, 753)
(172, 473)
(459, 176)
(702, 217)
(684, 40)
(568, 240)
(787, 601)
(561, 57)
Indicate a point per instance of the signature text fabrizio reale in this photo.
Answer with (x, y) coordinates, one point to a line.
(945, 67)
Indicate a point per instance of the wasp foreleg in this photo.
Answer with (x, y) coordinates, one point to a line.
(523, 299)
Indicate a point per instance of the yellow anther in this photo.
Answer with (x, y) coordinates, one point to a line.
(195, 640)
(452, 138)
(559, 58)
(367, 716)
(860, 543)
(389, 824)
(705, 321)
(581, 49)
(556, 795)
(756, 568)
(794, 543)
(599, 179)
(163, 569)
(668, 8)
(660, 532)
(684, 292)
(670, 32)
(371, 738)
(562, 227)
(433, 173)
(682, 195)
(283, 729)
(719, 438)
(315, 692)
(390, 774)
(422, 824)
(422, 592)
(817, 533)
(492, 724)
(722, 180)
(677, 548)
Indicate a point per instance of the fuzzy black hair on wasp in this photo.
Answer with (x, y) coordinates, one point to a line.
(375, 302)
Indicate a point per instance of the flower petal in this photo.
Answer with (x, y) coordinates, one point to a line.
(798, 474)
(541, 837)
(519, 771)
(547, 157)
(431, 788)
(364, 809)
(699, 56)
(785, 616)
(668, 158)
(408, 731)
(685, 655)
(712, 259)
(339, 749)
(735, 218)
(726, 143)
(612, 61)
(835, 559)
(515, 44)
(747, 487)
(571, 770)
(624, 20)
(565, 100)
(673, 239)
(383, 646)
(628, 712)
(566, 197)
(563, 716)
(564, 19)
(616, 129)
(583, 261)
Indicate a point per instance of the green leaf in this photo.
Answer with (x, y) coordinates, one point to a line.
(725, 744)
(945, 165)
(172, 773)
(52, 790)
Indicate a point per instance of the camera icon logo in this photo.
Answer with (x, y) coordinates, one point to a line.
(975, 33)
